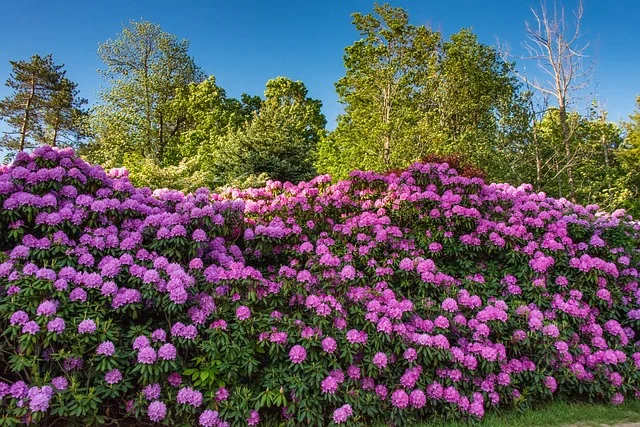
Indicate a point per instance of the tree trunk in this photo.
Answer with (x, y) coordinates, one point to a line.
(56, 127)
(606, 150)
(567, 148)
(386, 120)
(27, 114)
(55, 136)
(558, 176)
(536, 145)
(161, 137)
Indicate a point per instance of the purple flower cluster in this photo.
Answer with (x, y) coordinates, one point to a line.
(414, 287)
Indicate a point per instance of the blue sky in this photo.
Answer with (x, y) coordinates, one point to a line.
(246, 42)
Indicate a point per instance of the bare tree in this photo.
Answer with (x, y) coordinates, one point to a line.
(556, 46)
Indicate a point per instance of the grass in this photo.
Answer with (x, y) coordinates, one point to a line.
(557, 414)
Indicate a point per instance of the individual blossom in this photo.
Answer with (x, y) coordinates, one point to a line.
(60, 383)
(87, 326)
(400, 399)
(114, 376)
(156, 411)
(209, 418)
(354, 372)
(297, 354)
(147, 356)
(450, 305)
(254, 418)
(189, 396)
(167, 352)
(222, 394)
(417, 398)
(410, 354)
(78, 294)
(151, 391)
(175, 379)
(617, 399)
(47, 308)
(39, 398)
(342, 414)
(31, 328)
(159, 335)
(106, 348)
(329, 345)
(551, 384)
(381, 391)
(329, 385)
(141, 342)
(380, 360)
(20, 317)
(243, 312)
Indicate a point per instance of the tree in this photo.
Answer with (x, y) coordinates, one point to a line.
(208, 114)
(36, 84)
(387, 74)
(477, 107)
(556, 46)
(280, 141)
(628, 185)
(407, 94)
(207, 117)
(65, 117)
(145, 66)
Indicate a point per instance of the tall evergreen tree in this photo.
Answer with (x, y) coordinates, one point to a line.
(34, 85)
(65, 117)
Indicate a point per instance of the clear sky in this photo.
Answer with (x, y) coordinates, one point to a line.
(246, 42)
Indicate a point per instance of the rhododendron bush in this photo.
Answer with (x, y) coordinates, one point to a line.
(403, 297)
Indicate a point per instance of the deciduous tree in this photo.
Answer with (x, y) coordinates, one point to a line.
(145, 66)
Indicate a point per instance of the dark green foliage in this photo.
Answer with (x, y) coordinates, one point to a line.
(43, 108)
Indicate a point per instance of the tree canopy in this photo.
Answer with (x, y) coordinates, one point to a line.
(408, 94)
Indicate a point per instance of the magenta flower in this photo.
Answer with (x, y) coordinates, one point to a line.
(47, 308)
(19, 318)
(31, 328)
(87, 326)
(329, 345)
(114, 376)
(329, 385)
(243, 312)
(254, 418)
(106, 348)
(157, 411)
(189, 396)
(151, 391)
(297, 354)
(342, 414)
(380, 360)
(222, 394)
(209, 418)
(147, 356)
(60, 383)
(167, 352)
(400, 399)
(418, 399)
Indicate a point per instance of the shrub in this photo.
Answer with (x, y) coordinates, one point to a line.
(397, 297)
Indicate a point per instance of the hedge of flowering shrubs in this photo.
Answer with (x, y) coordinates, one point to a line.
(403, 297)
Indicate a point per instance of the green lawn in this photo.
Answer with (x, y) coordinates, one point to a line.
(557, 414)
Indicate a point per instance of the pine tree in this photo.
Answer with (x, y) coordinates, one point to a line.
(65, 119)
(33, 83)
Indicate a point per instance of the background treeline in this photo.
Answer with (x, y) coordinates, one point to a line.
(408, 93)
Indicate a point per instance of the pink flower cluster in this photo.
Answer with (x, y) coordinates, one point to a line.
(412, 293)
